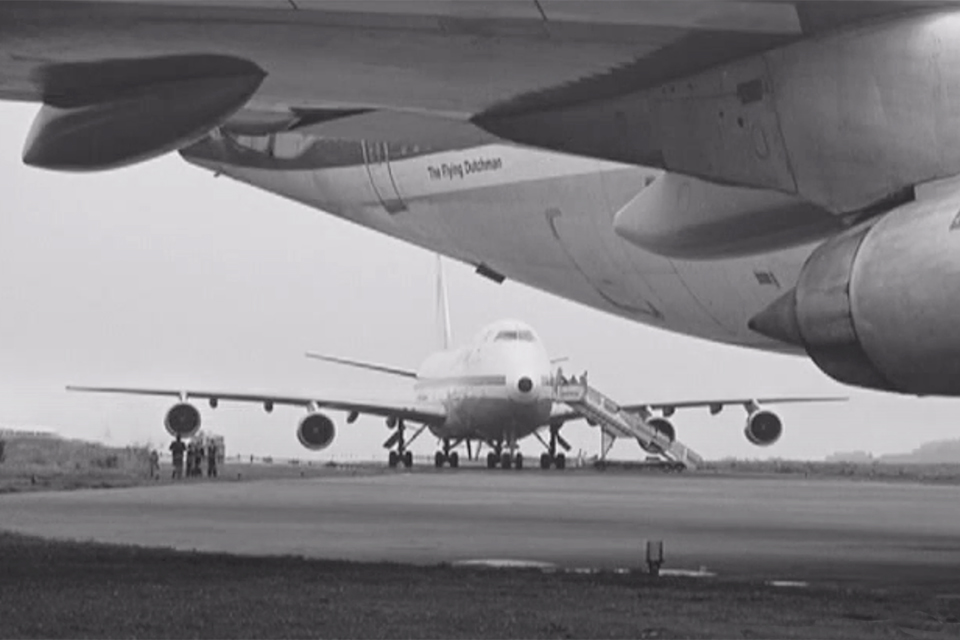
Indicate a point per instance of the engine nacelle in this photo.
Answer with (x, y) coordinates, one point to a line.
(877, 305)
(666, 434)
(103, 115)
(316, 432)
(664, 427)
(763, 428)
(183, 419)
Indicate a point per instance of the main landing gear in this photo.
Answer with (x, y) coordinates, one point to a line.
(397, 458)
(400, 455)
(551, 457)
(446, 456)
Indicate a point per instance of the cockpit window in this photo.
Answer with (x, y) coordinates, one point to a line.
(513, 336)
(281, 146)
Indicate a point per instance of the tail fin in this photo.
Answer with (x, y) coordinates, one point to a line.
(443, 309)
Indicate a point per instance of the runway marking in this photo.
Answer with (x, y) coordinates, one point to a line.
(788, 583)
(549, 567)
(505, 563)
(688, 573)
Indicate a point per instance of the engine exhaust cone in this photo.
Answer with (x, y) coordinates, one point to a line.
(779, 320)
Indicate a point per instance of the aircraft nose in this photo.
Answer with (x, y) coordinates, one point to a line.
(522, 388)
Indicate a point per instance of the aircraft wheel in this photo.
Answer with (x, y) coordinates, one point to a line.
(518, 461)
(506, 461)
(454, 460)
(393, 459)
(438, 460)
(545, 461)
(408, 459)
(492, 460)
(561, 461)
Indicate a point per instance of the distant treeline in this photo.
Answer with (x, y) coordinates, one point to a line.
(939, 452)
(41, 457)
(936, 472)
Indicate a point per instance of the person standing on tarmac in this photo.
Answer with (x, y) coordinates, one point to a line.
(154, 464)
(212, 460)
(189, 450)
(191, 459)
(198, 459)
(176, 450)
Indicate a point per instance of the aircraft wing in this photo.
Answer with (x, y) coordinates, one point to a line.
(404, 68)
(716, 406)
(414, 411)
(562, 413)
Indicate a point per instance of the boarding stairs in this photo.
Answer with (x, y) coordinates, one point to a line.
(615, 422)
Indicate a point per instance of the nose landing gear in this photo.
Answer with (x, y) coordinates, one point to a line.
(505, 459)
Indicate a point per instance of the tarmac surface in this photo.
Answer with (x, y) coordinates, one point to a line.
(790, 529)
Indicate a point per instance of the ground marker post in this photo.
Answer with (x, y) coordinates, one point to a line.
(654, 556)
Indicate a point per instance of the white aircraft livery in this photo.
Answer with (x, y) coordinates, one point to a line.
(497, 390)
(779, 174)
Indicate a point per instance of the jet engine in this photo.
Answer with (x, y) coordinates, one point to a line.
(183, 419)
(664, 427)
(103, 115)
(316, 431)
(877, 305)
(666, 434)
(763, 428)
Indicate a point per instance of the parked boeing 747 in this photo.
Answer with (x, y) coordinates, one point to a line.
(496, 390)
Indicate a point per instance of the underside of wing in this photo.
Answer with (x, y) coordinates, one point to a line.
(439, 59)
(414, 411)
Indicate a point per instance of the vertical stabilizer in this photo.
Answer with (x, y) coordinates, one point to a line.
(443, 309)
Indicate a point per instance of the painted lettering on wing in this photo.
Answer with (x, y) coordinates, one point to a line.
(461, 170)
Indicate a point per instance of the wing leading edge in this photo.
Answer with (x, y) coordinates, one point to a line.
(422, 412)
(562, 413)
(716, 406)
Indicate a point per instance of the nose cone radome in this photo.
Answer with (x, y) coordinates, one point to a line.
(779, 320)
(522, 388)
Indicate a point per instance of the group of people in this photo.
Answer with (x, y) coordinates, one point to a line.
(196, 453)
(561, 379)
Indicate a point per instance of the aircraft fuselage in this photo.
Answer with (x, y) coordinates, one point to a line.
(497, 389)
(541, 218)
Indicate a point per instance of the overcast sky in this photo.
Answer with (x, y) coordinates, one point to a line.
(162, 275)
